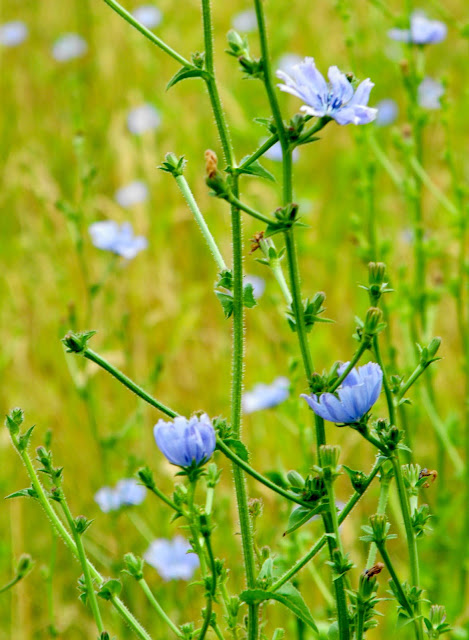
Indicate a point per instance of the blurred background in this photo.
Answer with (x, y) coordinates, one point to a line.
(69, 145)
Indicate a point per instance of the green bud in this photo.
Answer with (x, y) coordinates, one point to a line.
(329, 456)
(134, 565)
(380, 527)
(14, 420)
(24, 566)
(376, 273)
(81, 524)
(104, 636)
(296, 479)
(173, 164)
(373, 320)
(77, 342)
(238, 45)
(146, 477)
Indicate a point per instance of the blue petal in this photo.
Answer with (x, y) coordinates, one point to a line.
(351, 379)
(354, 400)
(362, 93)
(341, 89)
(335, 408)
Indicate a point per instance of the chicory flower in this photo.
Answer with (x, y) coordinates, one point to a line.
(422, 30)
(68, 47)
(245, 21)
(148, 15)
(135, 192)
(172, 558)
(266, 396)
(126, 493)
(336, 99)
(429, 93)
(186, 441)
(119, 239)
(355, 397)
(13, 33)
(143, 118)
(387, 112)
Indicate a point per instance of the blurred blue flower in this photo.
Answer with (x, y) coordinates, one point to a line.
(275, 152)
(126, 493)
(143, 118)
(257, 283)
(245, 21)
(13, 33)
(266, 396)
(289, 60)
(422, 30)
(429, 93)
(185, 441)
(148, 15)
(133, 193)
(171, 558)
(110, 236)
(130, 492)
(387, 112)
(356, 395)
(68, 47)
(336, 99)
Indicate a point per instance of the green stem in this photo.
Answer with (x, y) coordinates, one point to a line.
(255, 474)
(154, 489)
(381, 510)
(236, 202)
(386, 383)
(213, 588)
(128, 17)
(90, 592)
(10, 584)
(187, 193)
(432, 187)
(158, 608)
(322, 541)
(69, 542)
(356, 357)
(390, 567)
(258, 153)
(127, 382)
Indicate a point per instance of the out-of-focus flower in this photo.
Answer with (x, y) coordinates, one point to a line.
(429, 93)
(148, 15)
(257, 283)
(13, 33)
(288, 61)
(422, 30)
(355, 397)
(110, 236)
(275, 152)
(68, 47)
(171, 558)
(143, 118)
(387, 112)
(130, 492)
(133, 193)
(266, 396)
(336, 99)
(245, 21)
(126, 493)
(186, 441)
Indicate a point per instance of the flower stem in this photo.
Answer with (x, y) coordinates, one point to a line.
(158, 608)
(252, 212)
(356, 357)
(385, 485)
(187, 193)
(128, 17)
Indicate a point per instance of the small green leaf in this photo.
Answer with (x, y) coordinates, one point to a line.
(249, 300)
(23, 493)
(183, 74)
(226, 300)
(239, 448)
(256, 169)
(110, 589)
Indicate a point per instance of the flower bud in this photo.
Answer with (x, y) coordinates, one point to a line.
(134, 565)
(295, 479)
(24, 566)
(186, 441)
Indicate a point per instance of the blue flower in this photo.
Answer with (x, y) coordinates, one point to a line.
(68, 47)
(143, 118)
(356, 395)
(148, 15)
(171, 558)
(245, 21)
(387, 112)
(130, 492)
(429, 93)
(135, 192)
(266, 396)
(186, 441)
(422, 30)
(126, 493)
(110, 236)
(13, 33)
(336, 99)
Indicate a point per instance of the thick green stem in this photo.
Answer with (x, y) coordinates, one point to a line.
(199, 218)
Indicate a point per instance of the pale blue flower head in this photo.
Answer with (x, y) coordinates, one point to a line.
(172, 558)
(429, 93)
(266, 396)
(335, 99)
(148, 15)
(422, 30)
(387, 112)
(119, 239)
(13, 33)
(245, 21)
(186, 441)
(68, 47)
(130, 492)
(143, 118)
(133, 193)
(355, 397)
(107, 499)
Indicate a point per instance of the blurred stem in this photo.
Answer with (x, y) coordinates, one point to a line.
(158, 608)
(386, 384)
(187, 193)
(213, 587)
(128, 17)
(57, 524)
(90, 592)
(385, 485)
